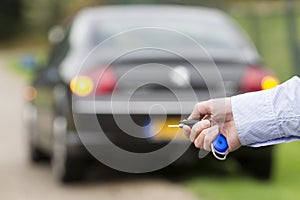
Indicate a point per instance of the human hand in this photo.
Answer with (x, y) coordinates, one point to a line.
(220, 120)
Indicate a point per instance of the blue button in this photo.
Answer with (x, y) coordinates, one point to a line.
(220, 144)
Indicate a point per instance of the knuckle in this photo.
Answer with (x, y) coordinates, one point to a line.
(200, 125)
(204, 124)
(197, 144)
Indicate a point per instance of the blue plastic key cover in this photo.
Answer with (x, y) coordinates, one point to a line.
(220, 144)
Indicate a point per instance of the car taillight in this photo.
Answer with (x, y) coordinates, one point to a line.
(269, 82)
(257, 78)
(81, 85)
(98, 81)
(106, 82)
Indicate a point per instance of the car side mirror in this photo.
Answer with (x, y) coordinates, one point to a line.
(56, 34)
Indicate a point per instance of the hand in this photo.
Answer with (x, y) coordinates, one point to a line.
(220, 120)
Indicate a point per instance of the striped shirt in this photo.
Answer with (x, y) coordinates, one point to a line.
(268, 117)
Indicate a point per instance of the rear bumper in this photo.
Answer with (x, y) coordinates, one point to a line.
(133, 107)
(95, 122)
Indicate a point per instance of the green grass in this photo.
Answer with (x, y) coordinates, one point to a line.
(283, 185)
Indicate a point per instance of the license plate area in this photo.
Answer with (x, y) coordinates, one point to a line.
(159, 130)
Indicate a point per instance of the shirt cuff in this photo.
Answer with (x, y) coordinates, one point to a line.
(254, 118)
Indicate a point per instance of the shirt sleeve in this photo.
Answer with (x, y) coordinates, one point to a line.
(268, 117)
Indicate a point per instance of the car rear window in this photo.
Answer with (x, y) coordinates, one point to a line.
(210, 33)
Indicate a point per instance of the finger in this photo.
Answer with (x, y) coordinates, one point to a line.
(201, 108)
(186, 131)
(202, 137)
(212, 134)
(198, 128)
(199, 140)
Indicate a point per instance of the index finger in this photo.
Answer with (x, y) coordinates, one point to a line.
(200, 109)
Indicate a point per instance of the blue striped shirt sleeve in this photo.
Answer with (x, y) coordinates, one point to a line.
(268, 117)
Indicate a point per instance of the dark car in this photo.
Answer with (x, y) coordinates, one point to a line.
(132, 96)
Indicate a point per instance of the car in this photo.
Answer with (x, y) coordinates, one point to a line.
(96, 77)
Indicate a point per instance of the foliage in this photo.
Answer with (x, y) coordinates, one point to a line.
(10, 17)
(40, 16)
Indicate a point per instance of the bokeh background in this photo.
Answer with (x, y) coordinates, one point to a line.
(273, 25)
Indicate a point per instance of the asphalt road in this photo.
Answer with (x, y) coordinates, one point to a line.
(21, 180)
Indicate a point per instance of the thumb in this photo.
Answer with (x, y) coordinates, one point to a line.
(200, 109)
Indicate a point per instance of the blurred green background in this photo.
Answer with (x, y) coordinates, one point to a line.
(272, 26)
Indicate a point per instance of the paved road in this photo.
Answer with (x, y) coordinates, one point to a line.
(21, 180)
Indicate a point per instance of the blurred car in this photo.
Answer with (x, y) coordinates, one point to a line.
(50, 111)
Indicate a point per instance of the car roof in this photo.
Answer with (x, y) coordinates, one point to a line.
(129, 11)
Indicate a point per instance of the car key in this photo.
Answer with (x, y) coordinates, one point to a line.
(219, 146)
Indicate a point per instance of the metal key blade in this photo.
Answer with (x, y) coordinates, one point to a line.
(174, 126)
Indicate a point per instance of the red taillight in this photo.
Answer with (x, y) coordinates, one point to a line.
(104, 80)
(257, 78)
